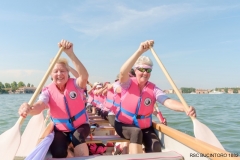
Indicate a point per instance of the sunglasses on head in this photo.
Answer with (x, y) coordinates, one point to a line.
(148, 70)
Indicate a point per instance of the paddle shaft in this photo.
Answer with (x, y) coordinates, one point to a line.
(44, 79)
(170, 80)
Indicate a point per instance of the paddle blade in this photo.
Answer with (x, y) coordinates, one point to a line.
(9, 142)
(31, 135)
(203, 133)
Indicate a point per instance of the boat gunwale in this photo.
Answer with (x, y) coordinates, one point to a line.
(193, 143)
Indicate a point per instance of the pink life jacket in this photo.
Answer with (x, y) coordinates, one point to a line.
(109, 99)
(67, 110)
(100, 99)
(116, 103)
(137, 108)
(95, 101)
(108, 102)
(112, 101)
(90, 97)
(104, 108)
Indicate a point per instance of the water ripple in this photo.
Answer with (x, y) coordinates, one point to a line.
(220, 113)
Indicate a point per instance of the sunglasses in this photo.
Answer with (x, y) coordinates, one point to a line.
(148, 70)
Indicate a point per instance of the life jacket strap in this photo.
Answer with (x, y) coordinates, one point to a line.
(69, 121)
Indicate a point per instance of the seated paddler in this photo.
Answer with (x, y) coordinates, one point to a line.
(64, 97)
(138, 95)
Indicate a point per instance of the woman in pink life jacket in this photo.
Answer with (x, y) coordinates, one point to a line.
(64, 98)
(102, 98)
(138, 96)
(112, 101)
(93, 98)
(98, 98)
(89, 105)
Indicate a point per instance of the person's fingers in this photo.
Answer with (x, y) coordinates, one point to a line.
(191, 112)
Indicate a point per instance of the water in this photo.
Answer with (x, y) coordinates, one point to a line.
(220, 113)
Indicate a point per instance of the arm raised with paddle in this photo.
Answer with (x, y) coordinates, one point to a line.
(64, 97)
(138, 96)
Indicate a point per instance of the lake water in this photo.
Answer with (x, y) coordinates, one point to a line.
(221, 113)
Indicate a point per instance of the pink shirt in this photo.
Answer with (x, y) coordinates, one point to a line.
(115, 86)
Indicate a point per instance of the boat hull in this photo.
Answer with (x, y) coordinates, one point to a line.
(176, 145)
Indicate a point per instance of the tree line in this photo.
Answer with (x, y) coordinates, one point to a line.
(235, 90)
(5, 87)
(189, 90)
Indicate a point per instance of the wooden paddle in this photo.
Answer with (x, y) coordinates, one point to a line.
(10, 139)
(201, 131)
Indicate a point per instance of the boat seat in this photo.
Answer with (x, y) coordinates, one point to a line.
(100, 121)
(105, 139)
(91, 114)
(94, 117)
(109, 128)
(102, 130)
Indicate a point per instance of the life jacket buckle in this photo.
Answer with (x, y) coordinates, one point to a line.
(138, 116)
(72, 119)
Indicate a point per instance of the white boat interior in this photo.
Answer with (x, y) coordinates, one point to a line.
(176, 145)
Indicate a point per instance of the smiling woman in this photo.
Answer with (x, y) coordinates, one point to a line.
(60, 74)
(138, 96)
(62, 96)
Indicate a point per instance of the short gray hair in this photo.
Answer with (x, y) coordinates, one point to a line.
(143, 60)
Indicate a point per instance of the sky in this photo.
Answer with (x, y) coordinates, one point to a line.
(197, 41)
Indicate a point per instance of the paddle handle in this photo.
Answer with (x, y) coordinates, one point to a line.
(170, 80)
(44, 79)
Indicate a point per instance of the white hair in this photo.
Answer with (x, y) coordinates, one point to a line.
(143, 60)
(62, 60)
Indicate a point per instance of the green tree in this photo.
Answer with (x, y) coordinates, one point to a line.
(2, 85)
(2, 90)
(188, 90)
(28, 85)
(226, 90)
(14, 86)
(7, 85)
(32, 85)
(21, 84)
